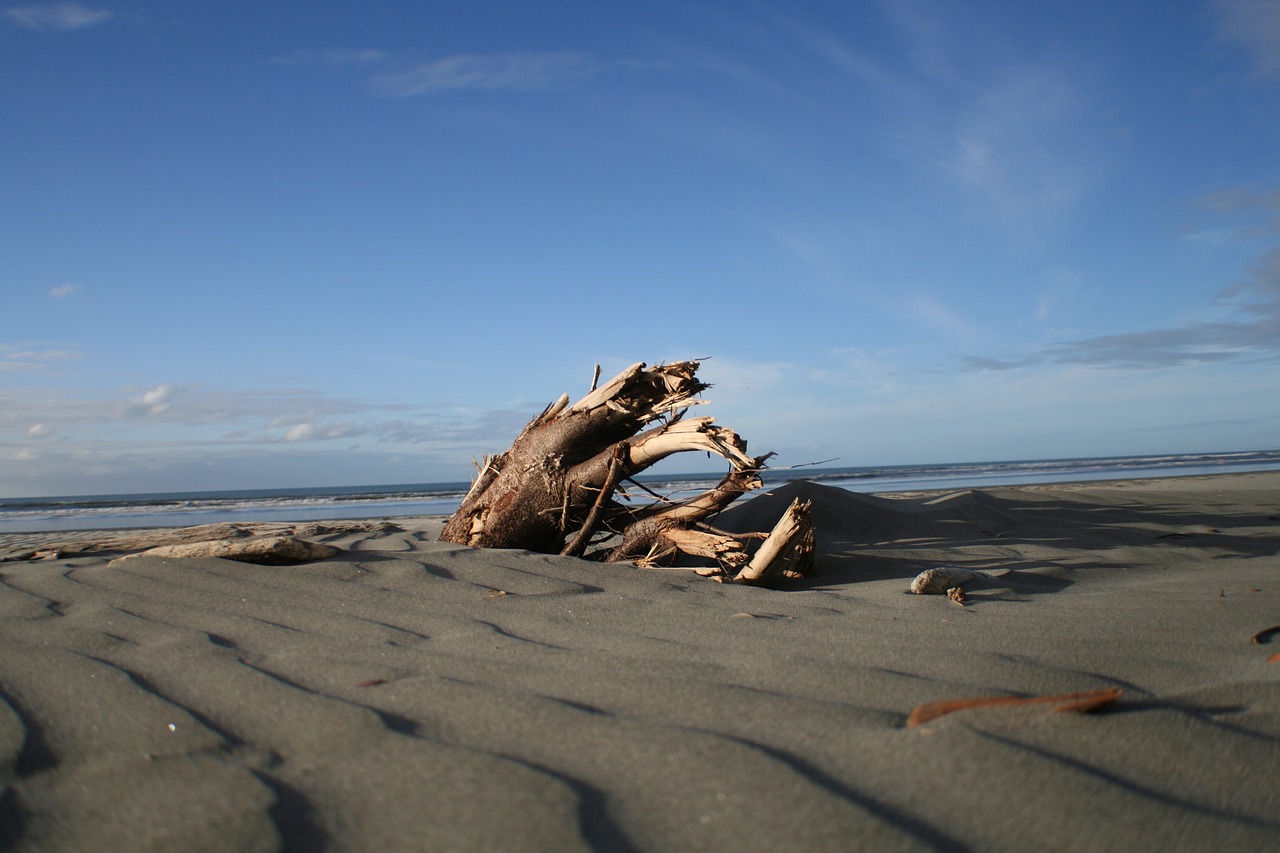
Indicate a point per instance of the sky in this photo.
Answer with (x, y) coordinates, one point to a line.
(293, 244)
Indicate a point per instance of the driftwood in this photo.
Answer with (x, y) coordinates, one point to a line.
(260, 542)
(558, 488)
(263, 550)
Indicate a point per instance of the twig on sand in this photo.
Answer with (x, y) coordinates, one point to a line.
(1090, 700)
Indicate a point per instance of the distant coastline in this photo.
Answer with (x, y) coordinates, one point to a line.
(33, 515)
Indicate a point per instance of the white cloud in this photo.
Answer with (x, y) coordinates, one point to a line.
(300, 432)
(157, 398)
(157, 401)
(39, 430)
(311, 430)
(63, 291)
(522, 71)
(58, 16)
(1254, 26)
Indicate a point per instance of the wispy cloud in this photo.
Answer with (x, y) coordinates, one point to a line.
(521, 72)
(335, 57)
(1253, 336)
(1202, 343)
(58, 17)
(64, 291)
(1016, 134)
(932, 312)
(1246, 327)
(1243, 200)
(31, 358)
(818, 41)
(1060, 287)
(927, 35)
(1019, 143)
(1254, 27)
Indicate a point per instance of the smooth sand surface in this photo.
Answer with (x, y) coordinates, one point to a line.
(412, 695)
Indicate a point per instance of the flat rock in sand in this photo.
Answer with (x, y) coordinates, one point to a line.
(938, 581)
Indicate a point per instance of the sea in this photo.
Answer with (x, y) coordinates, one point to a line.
(180, 509)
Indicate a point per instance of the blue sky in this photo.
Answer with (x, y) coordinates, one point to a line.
(251, 245)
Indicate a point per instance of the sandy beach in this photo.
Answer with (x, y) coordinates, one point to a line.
(412, 695)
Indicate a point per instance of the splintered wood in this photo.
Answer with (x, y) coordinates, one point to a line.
(787, 551)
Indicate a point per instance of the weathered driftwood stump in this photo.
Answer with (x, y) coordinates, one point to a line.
(557, 489)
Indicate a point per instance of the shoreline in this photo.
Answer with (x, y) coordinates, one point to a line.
(411, 694)
(1233, 479)
(12, 539)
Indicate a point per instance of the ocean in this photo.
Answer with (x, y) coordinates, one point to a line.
(177, 509)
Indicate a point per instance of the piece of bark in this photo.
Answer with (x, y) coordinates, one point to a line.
(267, 551)
(1090, 700)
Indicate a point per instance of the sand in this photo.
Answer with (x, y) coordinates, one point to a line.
(412, 695)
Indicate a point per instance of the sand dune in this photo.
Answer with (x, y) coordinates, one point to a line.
(413, 695)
